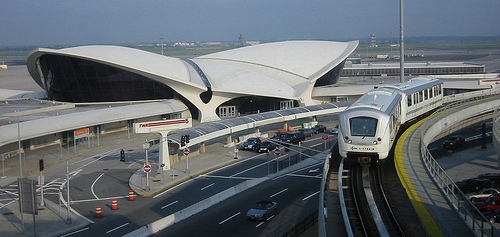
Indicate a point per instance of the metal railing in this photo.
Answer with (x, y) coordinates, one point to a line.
(452, 193)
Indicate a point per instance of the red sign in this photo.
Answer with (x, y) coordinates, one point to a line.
(277, 152)
(147, 168)
(164, 123)
(324, 137)
(186, 151)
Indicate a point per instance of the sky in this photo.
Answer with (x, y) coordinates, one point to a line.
(84, 22)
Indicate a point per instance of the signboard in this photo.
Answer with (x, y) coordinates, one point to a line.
(80, 133)
(186, 151)
(324, 137)
(147, 168)
(27, 189)
(162, 125)
(277, 152)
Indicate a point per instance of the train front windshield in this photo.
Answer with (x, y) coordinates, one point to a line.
(363, 126)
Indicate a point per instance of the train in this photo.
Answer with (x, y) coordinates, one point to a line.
(368, 127)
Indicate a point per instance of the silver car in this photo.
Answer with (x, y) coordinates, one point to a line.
(262, 210)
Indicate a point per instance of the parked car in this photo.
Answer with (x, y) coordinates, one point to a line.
(262, 210)
(292, 137)
(335, 130)
(454, 141)
(252, 143)
(483, 194)
(473, 185)
(495, 177)
(319, 128)
(493, 216)
(267, 146)
(308, 132)
(490, 204)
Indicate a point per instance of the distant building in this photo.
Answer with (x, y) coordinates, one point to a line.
(416, 69)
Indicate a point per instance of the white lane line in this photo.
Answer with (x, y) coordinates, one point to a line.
(208, 186)
(92, 186)
(170, 204)
(109, 231)
(261, 223)
(251, 168)
(303, 199)
(176, 186)
(99, 199)
(229, 218)
(304, 176)
(75, 232)
(225, 177)
(276, 194)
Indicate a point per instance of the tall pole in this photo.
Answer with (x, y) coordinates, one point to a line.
(20, 173)
(401, 43)
(161, 45)
(68, 220)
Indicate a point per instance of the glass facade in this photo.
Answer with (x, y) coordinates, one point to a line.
(77, 80)
(330, 77)
(412, 71)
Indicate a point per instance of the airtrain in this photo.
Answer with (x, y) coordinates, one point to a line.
(368, 127)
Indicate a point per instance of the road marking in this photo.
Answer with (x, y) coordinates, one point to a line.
(225, 177)
(75, 232)
(261, 223)
(208, 186)
(251, 168)
(92, 186)
(278, 193)
(304, 176)
(109, 231)
(172, 203)
(229, 218)
(303, 199)
(176, 186)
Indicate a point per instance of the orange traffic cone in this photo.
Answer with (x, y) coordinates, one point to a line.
(131, 196)
(98, 212)
(114, 204)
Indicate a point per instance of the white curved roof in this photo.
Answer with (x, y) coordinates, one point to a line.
(285, 70)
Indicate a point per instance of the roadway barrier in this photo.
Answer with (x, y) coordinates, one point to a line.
(131, 196)
(114, 204)
(98, 212)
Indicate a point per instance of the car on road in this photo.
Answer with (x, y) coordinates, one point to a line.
(335, 130)
(262, 210)
(308, 132)
(454, 141)
(292, 137)
(252, 143)
(474, 185)
(319, 128)
(267, 146)
(483, 194)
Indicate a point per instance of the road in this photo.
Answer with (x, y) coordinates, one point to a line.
(96, 180)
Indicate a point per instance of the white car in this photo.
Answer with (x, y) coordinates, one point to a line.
(484, 193)
(335, 130)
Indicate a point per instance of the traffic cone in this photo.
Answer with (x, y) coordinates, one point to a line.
(98, 212)
(114, 204)
(131, 196)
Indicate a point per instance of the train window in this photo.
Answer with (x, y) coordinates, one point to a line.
(409, 100)
(363, 126)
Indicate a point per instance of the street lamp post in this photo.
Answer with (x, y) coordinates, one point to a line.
(161, 38)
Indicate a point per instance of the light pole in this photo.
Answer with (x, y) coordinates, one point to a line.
(401, 43)
(161, 38)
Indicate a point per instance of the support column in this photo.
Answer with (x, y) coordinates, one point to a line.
(285, 125)
(257, 129)
(163, 156)
(229, 139)
(202, 148)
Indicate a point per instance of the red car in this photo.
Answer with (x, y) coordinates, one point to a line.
(490, 204)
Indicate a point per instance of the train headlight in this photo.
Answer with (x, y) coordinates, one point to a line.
(375, 142)
(379, 139)
(346, 138)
